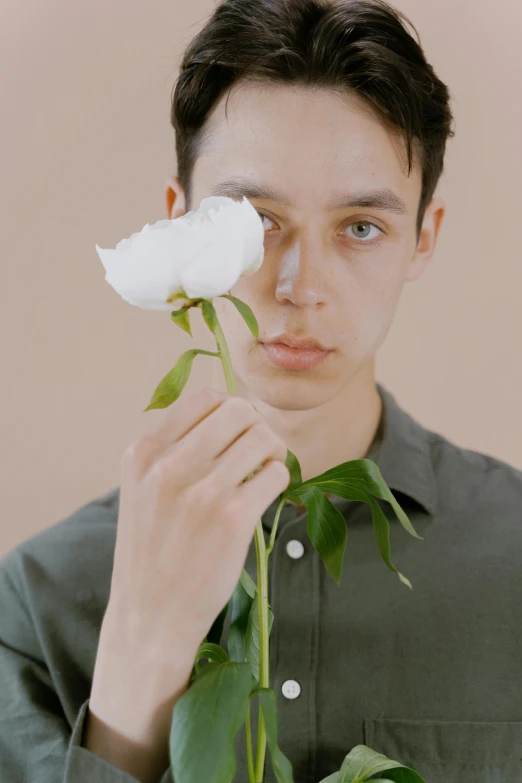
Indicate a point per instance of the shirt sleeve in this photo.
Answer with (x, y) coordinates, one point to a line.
(83, 766)
(37, 744)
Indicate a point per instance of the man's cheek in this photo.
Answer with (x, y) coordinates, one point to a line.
(373, 321)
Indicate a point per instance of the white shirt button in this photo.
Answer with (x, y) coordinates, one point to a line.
(295, 549)
(291, 689)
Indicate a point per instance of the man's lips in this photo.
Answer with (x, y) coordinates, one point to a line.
(294, 358)
(305, 341)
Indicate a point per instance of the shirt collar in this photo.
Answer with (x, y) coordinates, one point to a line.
(404, 454)
(401, 449)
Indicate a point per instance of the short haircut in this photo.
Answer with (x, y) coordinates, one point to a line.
(361, 46)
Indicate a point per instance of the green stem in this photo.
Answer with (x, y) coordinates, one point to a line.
(225, 358)
(264, 678)
(262, 582)
(274, 528)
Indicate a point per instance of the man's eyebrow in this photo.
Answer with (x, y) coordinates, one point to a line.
(384, 199)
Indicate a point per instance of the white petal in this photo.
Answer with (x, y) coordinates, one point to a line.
(239, 216)
(216, 269)
(254, 238)
(146, 268)
(201, 254)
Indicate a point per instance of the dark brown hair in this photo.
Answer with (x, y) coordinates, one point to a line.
(361, 46)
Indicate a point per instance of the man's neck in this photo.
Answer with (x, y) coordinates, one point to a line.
(338, 431)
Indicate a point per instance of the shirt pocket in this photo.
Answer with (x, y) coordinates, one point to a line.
(451, 751)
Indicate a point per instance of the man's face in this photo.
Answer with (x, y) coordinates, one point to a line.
(333, 273)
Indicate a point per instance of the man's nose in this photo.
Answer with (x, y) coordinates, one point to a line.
(300, 275)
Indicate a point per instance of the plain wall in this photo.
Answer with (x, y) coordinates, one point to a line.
(86, 147)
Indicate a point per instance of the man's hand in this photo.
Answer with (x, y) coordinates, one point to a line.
(185, 524)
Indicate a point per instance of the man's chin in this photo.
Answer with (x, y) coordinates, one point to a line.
(287, 390)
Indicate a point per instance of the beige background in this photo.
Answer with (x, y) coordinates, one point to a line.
(86, 147)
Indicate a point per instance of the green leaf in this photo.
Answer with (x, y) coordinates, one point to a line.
(241, 605)
(296, 479)
(205, 721)
(216, 629)
(400, 775)
(379, 489)
(213, 637)
(243, 634)
(280, 764)
(326, 528)
(362, 762)
(170, 388)
(209, 314)
(246, 312)
(211, 651)
(388, 495)
(352, 480)
(381, 528)
(252, 646)
(355, 480)
(181, 318)
(248, 583)
(361, 480)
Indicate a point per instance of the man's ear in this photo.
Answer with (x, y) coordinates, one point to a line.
(174, 198)
(429, 232)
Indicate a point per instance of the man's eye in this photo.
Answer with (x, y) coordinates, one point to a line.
(264, 217)
(362, 230)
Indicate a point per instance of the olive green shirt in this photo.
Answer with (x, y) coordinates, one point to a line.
(431, 677)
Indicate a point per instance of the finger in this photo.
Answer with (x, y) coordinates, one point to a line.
(255, 447)
(194, 456)
(180, 419)
(257, 493)
(220, 429)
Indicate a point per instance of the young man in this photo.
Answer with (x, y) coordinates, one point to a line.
(327, 116)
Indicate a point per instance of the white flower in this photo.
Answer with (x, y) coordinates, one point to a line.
(199, 255)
